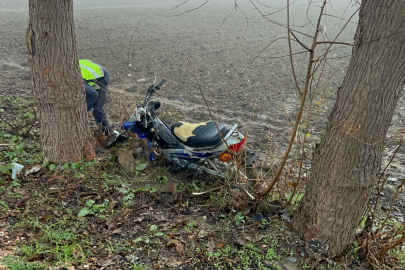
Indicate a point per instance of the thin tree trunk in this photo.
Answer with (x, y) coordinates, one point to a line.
(56, 81)
(347, 163)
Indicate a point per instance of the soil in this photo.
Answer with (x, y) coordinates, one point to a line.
(221, 43)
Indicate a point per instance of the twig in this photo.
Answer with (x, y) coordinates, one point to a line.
(211, 214)
(130, 41)
(146, 206)
(296, 39)
(203, 4)
(335, 42)
(254, 59)
(297, 121)
(123, 170)
(204, 192)
(242, 243)
(392, 205)
(10, 125)
(388, 247)
(281, 9)
(325, 14)
(369, 209)
(167, 204)
(290, 49)
(341, 30)
(303, 153)
(206, 104)
(281, 56)
(234, 8)
(180, 4)
(378, 187)
(275, 22)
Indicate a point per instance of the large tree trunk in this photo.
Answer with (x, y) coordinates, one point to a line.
(347, 163)
(57, 84)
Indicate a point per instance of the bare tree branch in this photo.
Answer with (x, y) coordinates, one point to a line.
(277, 23)
(287, 55)
(297, 121)
(281, 9)
(130, 41)
(257, 56)
(334, 42)
(290, 49)
(296, 39)
(190, 10)
(325, 14)
(179, 5)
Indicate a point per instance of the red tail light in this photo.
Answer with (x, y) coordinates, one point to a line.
(238, 146)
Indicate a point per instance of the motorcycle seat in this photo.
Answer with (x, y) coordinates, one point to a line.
(199, 135)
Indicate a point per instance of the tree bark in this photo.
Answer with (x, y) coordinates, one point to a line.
(57, 85)
(347, 163)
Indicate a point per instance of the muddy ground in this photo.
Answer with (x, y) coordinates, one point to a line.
(260, 97)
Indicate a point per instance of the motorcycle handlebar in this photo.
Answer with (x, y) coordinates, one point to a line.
(157, 87)
(151, 91)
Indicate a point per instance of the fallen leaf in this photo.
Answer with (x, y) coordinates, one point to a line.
(191, 238)
(220, 245)
(3, 215)
(202, 234)
(112, 226)
(34, 257)
(211, 245)
(105, 262)
(126, 159)
(50, 257)
(138, 219)
(34, 169)
(171, 188)
(15, 213)
(179, 248)
(174, 263)
(161, 218)
(23, 201)
(249, 238)
(77, 253)
(110, 206)
(59, 177)
(240, 242)
(173, 242)
(258, 238)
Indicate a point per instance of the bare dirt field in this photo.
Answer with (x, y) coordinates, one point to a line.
(263, 97)
(241, 82)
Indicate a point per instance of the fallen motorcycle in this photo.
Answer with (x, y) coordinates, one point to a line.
(208, 147)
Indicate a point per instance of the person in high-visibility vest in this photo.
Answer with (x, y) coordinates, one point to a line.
(96, 85)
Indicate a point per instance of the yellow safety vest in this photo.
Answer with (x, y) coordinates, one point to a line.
(90, 71)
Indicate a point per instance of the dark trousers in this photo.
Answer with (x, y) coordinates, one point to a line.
(96, 98)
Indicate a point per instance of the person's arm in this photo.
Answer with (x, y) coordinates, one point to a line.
(103, 82)
(91, 96)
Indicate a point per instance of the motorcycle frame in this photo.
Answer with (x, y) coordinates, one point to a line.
(161, 134)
